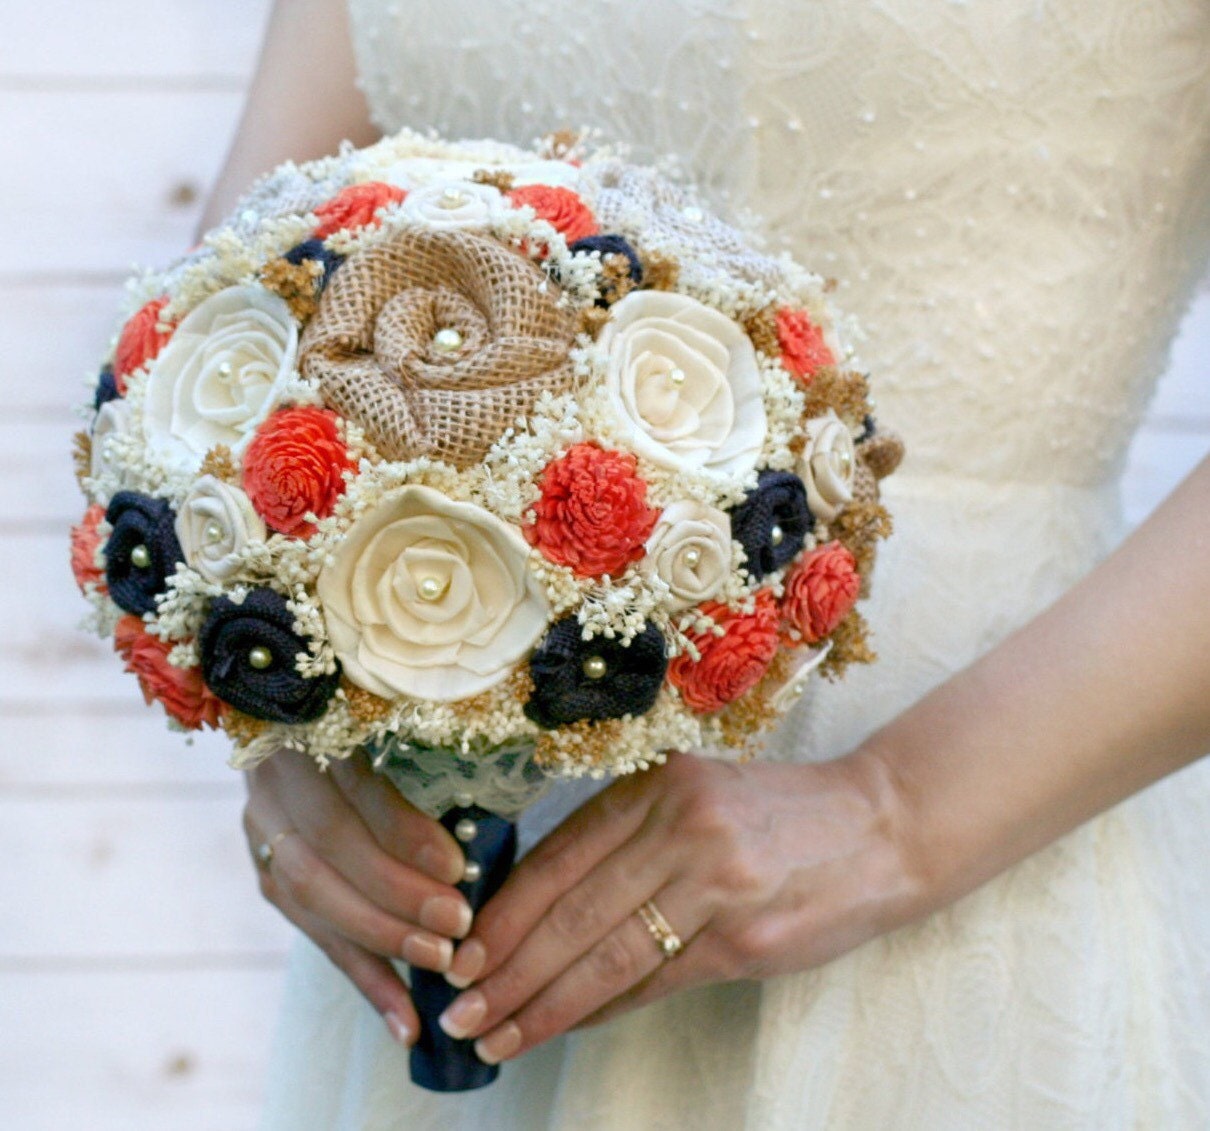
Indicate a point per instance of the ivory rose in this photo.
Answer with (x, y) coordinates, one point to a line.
(690, 550)
(446, 205)
(430, 598)
(112, 420)
(215, 522)
(220, 375)
(827, 466)
(795, 683)
(684, 380)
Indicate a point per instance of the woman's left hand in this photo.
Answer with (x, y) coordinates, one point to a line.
(760, 869)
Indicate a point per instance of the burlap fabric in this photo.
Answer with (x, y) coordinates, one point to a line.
(372, 344)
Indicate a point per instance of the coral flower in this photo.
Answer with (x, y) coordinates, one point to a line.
(820, 591)
(180, 691)
(559, 207)
(803, 349)
(84, 542)
(732, 664)
(295, 465)
(355, 207)
(593, 515)
(140, 342)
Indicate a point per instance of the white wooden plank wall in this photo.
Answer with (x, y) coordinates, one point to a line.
(139, 971)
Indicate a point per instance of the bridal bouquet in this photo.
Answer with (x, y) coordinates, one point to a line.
(503, 465)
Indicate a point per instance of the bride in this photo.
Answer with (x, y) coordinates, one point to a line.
(958, 892)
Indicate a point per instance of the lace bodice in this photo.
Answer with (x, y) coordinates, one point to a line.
(1011, 192)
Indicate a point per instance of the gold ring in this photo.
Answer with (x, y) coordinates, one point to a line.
(264, 850)
(657, 926)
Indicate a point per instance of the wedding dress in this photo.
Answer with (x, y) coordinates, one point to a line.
(1013, 195)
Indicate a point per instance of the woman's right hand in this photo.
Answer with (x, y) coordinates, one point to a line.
(365, 875)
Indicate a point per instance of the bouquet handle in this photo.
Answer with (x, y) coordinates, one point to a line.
(438, 1062)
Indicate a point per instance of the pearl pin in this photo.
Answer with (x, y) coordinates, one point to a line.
(777, 536)
(431, 588)
(677, 376)
(453, 198)
(140, 556)
(259, 658)
(448, 339)
(212, 533)
(595, 667)
(466, 830)
(225, 369)
(692, 556)
(693, 214)
(464, 800)
(472, 872)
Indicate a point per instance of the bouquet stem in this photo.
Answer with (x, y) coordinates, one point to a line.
(440, 1063)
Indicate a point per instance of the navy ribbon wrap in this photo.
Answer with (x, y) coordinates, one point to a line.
(438, 1061)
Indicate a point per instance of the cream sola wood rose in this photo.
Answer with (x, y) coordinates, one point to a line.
(430, 599)
(504, 466)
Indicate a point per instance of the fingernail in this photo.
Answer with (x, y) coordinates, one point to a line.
(398, 1028)
(446, 915)
(463, 1015)
(499, 1044)
(469, 960)
(445, 867)
(426, 951)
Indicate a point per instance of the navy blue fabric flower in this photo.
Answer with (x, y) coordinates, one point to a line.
(248, 653)
(577, 679)
(142, 552)
(611, 245)
(772, 522)
(315, 249)
(107, 388)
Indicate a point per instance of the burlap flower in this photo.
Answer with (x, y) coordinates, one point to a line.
(142, 551)
(684, 381)
(250, 651)
(576, 679)
(435, 342)
(430, 598)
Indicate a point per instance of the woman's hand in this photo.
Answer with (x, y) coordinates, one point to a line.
(760, 869)
(366, 875)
